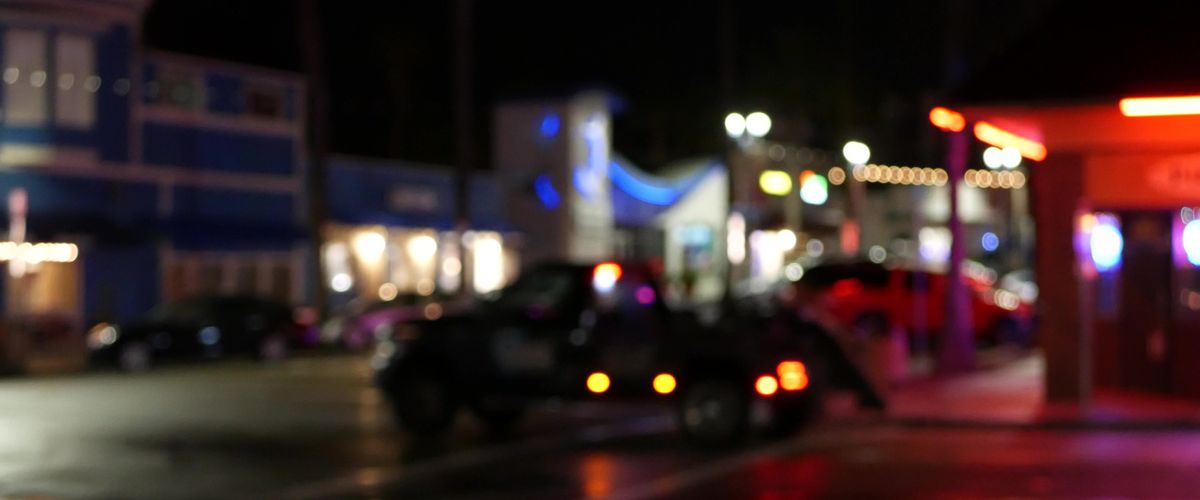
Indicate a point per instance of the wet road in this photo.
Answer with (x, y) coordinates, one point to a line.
(313, 428)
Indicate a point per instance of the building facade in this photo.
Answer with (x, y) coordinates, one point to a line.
(164, 175)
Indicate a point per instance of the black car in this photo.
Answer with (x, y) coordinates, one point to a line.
(569, 331)
(193, 329)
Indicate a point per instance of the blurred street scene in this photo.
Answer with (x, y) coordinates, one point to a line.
(310, 249)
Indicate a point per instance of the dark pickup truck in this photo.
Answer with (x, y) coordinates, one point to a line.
(566, 331)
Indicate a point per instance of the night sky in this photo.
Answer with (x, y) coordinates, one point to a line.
(824, 71)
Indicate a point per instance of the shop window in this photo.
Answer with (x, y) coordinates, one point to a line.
(76, 85)
(24, 77)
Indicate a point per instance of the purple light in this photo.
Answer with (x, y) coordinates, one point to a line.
(645, 295)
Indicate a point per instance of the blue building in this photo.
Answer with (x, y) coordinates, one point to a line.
(169, 175)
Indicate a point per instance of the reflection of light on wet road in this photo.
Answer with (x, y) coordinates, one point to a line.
(368, 477)
(597, 472)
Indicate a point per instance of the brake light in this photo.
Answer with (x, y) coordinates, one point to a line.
(766, 385)
(664, 383)
(605, 276)
(792, 375)
(598, 382)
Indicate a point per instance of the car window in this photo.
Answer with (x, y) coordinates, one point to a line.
(545, 288)
(184, 311)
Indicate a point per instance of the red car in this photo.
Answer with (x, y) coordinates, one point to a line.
(869, 299)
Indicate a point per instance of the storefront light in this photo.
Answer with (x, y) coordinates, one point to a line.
(422, 248)
(1106, 243)
(1191, 241)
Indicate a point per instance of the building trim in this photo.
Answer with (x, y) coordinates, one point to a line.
(159, 113)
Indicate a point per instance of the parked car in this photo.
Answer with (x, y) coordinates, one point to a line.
(869, 299)
(361, 326)
(198, 328)
(603, 332)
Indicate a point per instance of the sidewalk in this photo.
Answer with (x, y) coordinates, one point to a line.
(1007, 391)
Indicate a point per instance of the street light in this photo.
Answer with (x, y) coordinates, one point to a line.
(993, 158)
(735, 125)
(1010, 157)
(856, 153)
(757, 124)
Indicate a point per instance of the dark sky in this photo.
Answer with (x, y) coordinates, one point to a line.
(825, 71)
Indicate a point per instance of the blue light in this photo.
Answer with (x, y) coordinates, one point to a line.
(1106, 244)
(642, 190)
(550, 124)
(990, 241)
(1191, 241)
(546, 193)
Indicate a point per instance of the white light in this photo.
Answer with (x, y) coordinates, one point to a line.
(786, 239)
(451, 266)
(66, 81)
(758, 124)
(735, 240)
(1191, 241)
(425, 287)
(735, 125)
(11, 75)
(877, 254)
(37, 78)
(341, 282)
(422, 247)
(369, 244)
(488, 264)
(1010, 157)
(934, 244)
(856, 153)
(388, 291)
(814, 248)
(793, 272)
(993, 158)
(814, 190)
(1106, 244)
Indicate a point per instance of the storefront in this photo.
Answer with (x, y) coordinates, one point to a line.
(1117, 243)
(393, 232)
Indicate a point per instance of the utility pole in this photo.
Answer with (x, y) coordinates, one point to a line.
(464, 127)
(957, 347)
(312, 49)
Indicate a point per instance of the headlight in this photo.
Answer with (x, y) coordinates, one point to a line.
(102, 335)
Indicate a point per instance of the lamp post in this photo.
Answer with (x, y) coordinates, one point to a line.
(856, 154)
(741, 130)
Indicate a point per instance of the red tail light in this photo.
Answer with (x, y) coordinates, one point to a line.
(793, 376)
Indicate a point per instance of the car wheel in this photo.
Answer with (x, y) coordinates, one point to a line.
(714, 411)
(272, 348)
(135, 357)
(425, 405)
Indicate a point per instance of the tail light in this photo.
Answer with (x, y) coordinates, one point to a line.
(605, 276)
(598, 382)
(766, 385)
(664, 383)
(792, 375)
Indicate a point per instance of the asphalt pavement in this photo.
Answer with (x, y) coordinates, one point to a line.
(313, 427)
